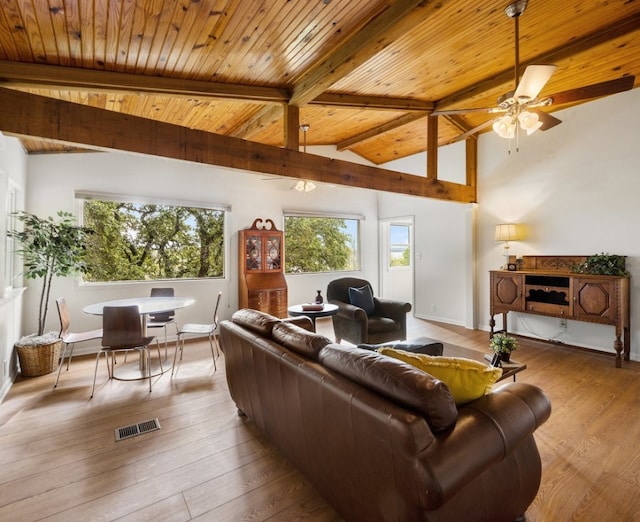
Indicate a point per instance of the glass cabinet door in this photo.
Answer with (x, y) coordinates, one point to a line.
(273, 252)
(253, 252)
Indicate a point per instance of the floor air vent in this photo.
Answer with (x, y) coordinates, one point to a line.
(126, 432)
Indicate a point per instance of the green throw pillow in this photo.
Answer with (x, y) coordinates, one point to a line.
(467, 380)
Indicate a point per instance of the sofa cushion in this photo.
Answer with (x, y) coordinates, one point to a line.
(299, 340)
(468, 380)
(417, 345)
(399, 382)
(255, 321)
(362, 298)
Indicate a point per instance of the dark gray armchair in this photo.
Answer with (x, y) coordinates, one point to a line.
(387, 322)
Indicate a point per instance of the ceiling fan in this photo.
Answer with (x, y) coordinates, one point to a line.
(520, 109)
(301, 185)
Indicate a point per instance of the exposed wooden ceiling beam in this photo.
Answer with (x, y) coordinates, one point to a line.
(567, 50)
(17, 74)
(31, 75)
(26, 114)
(381, 129)
(265, 117)
(372, 102)
(365, 43)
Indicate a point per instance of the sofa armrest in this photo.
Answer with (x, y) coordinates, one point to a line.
(486, 432)
(302, 321)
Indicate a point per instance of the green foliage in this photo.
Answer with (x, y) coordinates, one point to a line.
(402, 260)
(317, 245)
(50, 248)
(135, 242)
(602, 264)
(502, 343)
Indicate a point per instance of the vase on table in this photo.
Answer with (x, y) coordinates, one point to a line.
(319, 299)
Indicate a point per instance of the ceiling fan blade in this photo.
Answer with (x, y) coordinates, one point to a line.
(547, 120)
(471, 132)
(460, 111)
(533, 80)
(595, 90)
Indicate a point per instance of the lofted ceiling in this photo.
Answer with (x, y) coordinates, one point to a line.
(363, 74)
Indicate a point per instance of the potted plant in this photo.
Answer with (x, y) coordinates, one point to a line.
(503, 345)
(49, 247)
(602, 264)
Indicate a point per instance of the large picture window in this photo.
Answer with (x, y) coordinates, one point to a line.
(147, 241)
(321, 244)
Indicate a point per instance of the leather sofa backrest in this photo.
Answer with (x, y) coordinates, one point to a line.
(256, 321)
(401, 383)
(299, 340)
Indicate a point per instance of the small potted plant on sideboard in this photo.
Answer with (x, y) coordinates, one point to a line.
(49, 247)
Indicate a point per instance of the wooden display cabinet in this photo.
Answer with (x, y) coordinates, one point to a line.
(545, 286)
(262, 285)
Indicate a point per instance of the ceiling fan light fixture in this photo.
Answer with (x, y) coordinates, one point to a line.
(304, 186)
(505, 127)
(529, 121)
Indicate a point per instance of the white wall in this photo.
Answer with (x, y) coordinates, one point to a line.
(13, 172)
(444, 281)
(576, 188)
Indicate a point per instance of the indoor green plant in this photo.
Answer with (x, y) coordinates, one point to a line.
(602, 264)
(49, 247)
(503, 345)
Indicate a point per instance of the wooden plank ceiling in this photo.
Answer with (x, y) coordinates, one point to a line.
(365, 74)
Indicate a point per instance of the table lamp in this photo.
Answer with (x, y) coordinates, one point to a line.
(506, 232)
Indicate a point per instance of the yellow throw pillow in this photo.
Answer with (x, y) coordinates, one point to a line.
(467, 380)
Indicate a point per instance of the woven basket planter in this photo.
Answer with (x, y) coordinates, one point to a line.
(39, 359)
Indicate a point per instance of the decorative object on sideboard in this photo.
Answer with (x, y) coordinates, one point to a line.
(506, 232)
(602, 264)
(503, 345)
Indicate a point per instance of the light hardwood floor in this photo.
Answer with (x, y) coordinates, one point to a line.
(59, 460)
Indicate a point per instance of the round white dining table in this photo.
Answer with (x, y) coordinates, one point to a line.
(146, 306)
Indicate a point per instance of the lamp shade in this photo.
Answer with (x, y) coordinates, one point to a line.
(506, 232)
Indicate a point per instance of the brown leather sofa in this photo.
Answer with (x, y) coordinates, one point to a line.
(377, 438)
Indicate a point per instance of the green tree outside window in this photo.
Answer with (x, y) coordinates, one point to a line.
(134, 242)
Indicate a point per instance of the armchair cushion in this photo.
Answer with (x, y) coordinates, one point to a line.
(362, 298)
(468, 380)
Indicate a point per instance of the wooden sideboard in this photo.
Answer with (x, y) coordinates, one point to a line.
(545, 286)
(262, 285)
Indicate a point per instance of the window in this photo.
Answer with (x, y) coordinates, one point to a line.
(399, 246)
(321, 243)
(149, 241)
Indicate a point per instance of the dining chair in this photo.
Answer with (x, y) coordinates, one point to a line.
(69, 339)
(122, 331)
(162, 319)
(199, 329)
